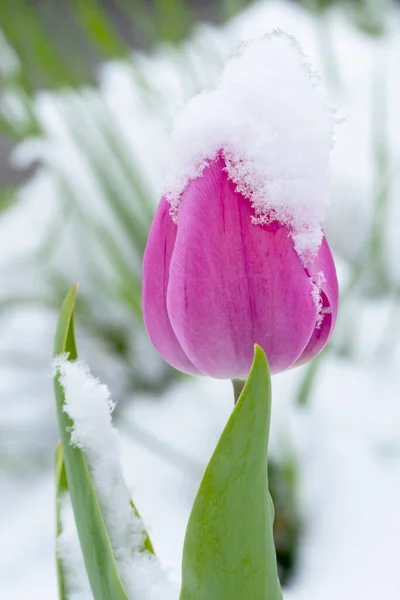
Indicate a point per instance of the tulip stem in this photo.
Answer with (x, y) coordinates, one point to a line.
(238, 385)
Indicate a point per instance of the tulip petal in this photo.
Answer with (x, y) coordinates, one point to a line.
(330, 298)
(233, 284)
(156, 263)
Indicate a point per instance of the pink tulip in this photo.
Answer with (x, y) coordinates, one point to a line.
(215, 283)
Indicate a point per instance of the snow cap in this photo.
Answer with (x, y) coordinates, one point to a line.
(269, 118)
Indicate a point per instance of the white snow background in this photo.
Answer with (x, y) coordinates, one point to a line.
(348, 438)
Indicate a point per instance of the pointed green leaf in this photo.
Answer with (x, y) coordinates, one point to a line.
(93, 536)
(229, 549)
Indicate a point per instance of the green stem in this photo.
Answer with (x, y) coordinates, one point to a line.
(238, 385)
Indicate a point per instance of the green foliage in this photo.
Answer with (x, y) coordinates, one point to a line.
(61, 489)
(229, 548)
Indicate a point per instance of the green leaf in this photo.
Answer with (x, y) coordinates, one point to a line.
(93, 536)
(97, 27)
(61, 488)
(229, 549)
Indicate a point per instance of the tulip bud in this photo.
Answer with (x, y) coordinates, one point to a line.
(236, 254)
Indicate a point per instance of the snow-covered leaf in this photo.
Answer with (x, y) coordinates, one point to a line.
(94, 539)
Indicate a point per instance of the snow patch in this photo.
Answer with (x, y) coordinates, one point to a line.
(322, 310)
(269, 118)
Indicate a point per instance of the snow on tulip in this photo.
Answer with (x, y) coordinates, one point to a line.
(236, 253)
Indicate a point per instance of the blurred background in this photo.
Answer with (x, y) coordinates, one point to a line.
(88, 92)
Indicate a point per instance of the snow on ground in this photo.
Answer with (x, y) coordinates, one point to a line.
(348, 440)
